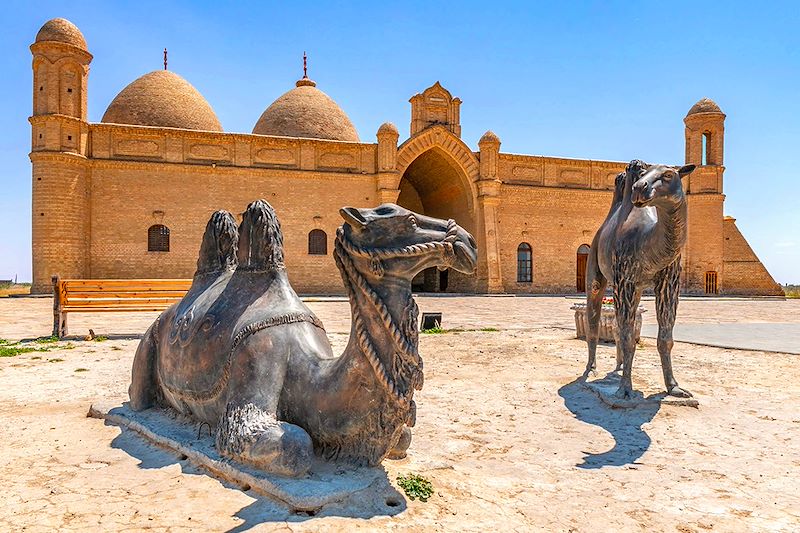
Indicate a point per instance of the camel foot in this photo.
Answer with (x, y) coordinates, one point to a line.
(252, 436)
(590, 370)
(679, 392)
(399, 450)
(625, 392)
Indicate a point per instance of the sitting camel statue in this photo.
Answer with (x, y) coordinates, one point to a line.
(639, 245)
(242, 353)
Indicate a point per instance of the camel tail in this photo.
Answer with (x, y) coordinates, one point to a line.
(143, 391)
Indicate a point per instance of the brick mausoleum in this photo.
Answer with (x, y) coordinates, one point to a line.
(129, 197)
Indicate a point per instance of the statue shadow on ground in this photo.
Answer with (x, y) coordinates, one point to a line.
(379, 499)
(624, 424)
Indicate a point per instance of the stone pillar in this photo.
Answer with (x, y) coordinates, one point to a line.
(489, 200)
(388, 180)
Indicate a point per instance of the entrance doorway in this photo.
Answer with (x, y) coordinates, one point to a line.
(580, 267)
(434, 185)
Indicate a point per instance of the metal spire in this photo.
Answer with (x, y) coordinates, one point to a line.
(305, 66)
(165, 59)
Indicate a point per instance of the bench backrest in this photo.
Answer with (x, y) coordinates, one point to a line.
(121, 294)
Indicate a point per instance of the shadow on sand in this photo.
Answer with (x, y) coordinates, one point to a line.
(379, 499)
(625, 425)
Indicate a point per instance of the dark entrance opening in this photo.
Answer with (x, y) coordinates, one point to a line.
(433, 185)
(580, 269)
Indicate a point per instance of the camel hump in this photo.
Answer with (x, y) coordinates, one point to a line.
(218, 250)
(260, 238)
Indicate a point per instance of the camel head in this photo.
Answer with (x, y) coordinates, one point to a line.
(392, 241)
(657, 185)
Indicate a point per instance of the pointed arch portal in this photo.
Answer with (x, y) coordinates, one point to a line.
(434, 184)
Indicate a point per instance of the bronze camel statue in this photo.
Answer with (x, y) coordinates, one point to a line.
(244, 354)
(639, 245)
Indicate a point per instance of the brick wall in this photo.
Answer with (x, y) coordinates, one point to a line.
(744, 273)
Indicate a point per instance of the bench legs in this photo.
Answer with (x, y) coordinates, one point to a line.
(59, 317)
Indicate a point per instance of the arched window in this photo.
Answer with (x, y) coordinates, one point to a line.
(706, 148)
(158, 238)
(524, 263)
(317, 242)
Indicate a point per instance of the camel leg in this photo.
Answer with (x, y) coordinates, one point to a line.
(249, 430)
(596, 289)
(626, 301)
(618, 346)
(143, 389)
(667, 288)
(398, 451)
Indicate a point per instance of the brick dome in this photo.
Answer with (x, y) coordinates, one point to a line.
(62, 31)
(705, 105)
(305, 111)
(164, 99)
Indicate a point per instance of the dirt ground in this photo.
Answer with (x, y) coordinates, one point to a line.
(508, 437)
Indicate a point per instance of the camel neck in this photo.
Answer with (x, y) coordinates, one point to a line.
(672, 220)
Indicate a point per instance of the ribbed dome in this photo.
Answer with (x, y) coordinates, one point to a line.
(164, 99)
(63, 31)
(387, 128)
(705, 105)
(490, 137)
(305, 111)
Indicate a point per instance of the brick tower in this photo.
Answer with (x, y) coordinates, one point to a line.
(61, 175)
(704, 252)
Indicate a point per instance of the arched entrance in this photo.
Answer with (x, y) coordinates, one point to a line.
(434, 185)
(580, 268)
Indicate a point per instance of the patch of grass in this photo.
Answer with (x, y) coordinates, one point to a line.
(4, 341)
(100, 338)
(69, 346)
(434, 331)
(415, 486)
(14, 350)
(7, 289)
(489, 329)
(81, 370)
(55, 360)
(46, 340)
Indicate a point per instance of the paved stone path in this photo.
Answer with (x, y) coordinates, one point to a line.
(765, 337)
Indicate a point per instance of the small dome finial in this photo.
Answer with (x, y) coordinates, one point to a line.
(304, 81)
(165, 59)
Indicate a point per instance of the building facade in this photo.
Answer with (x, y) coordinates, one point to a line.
(129, 197)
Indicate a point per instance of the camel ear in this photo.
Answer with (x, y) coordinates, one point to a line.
(353, 216)
(685, 170)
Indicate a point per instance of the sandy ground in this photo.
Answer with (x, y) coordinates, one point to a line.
(509, 438)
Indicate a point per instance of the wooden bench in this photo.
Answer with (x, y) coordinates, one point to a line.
(112, 295)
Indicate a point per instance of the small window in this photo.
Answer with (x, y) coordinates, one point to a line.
(69, 137)
(317, 242)
(711, 282)
(158, 238)
(524, 263)
(706, 147)
(69, 90)
(41, 88)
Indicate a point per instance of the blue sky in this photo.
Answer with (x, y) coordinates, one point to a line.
(600, 80)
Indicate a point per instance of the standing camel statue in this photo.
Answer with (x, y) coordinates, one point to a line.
(242, 353)
(638, 246)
